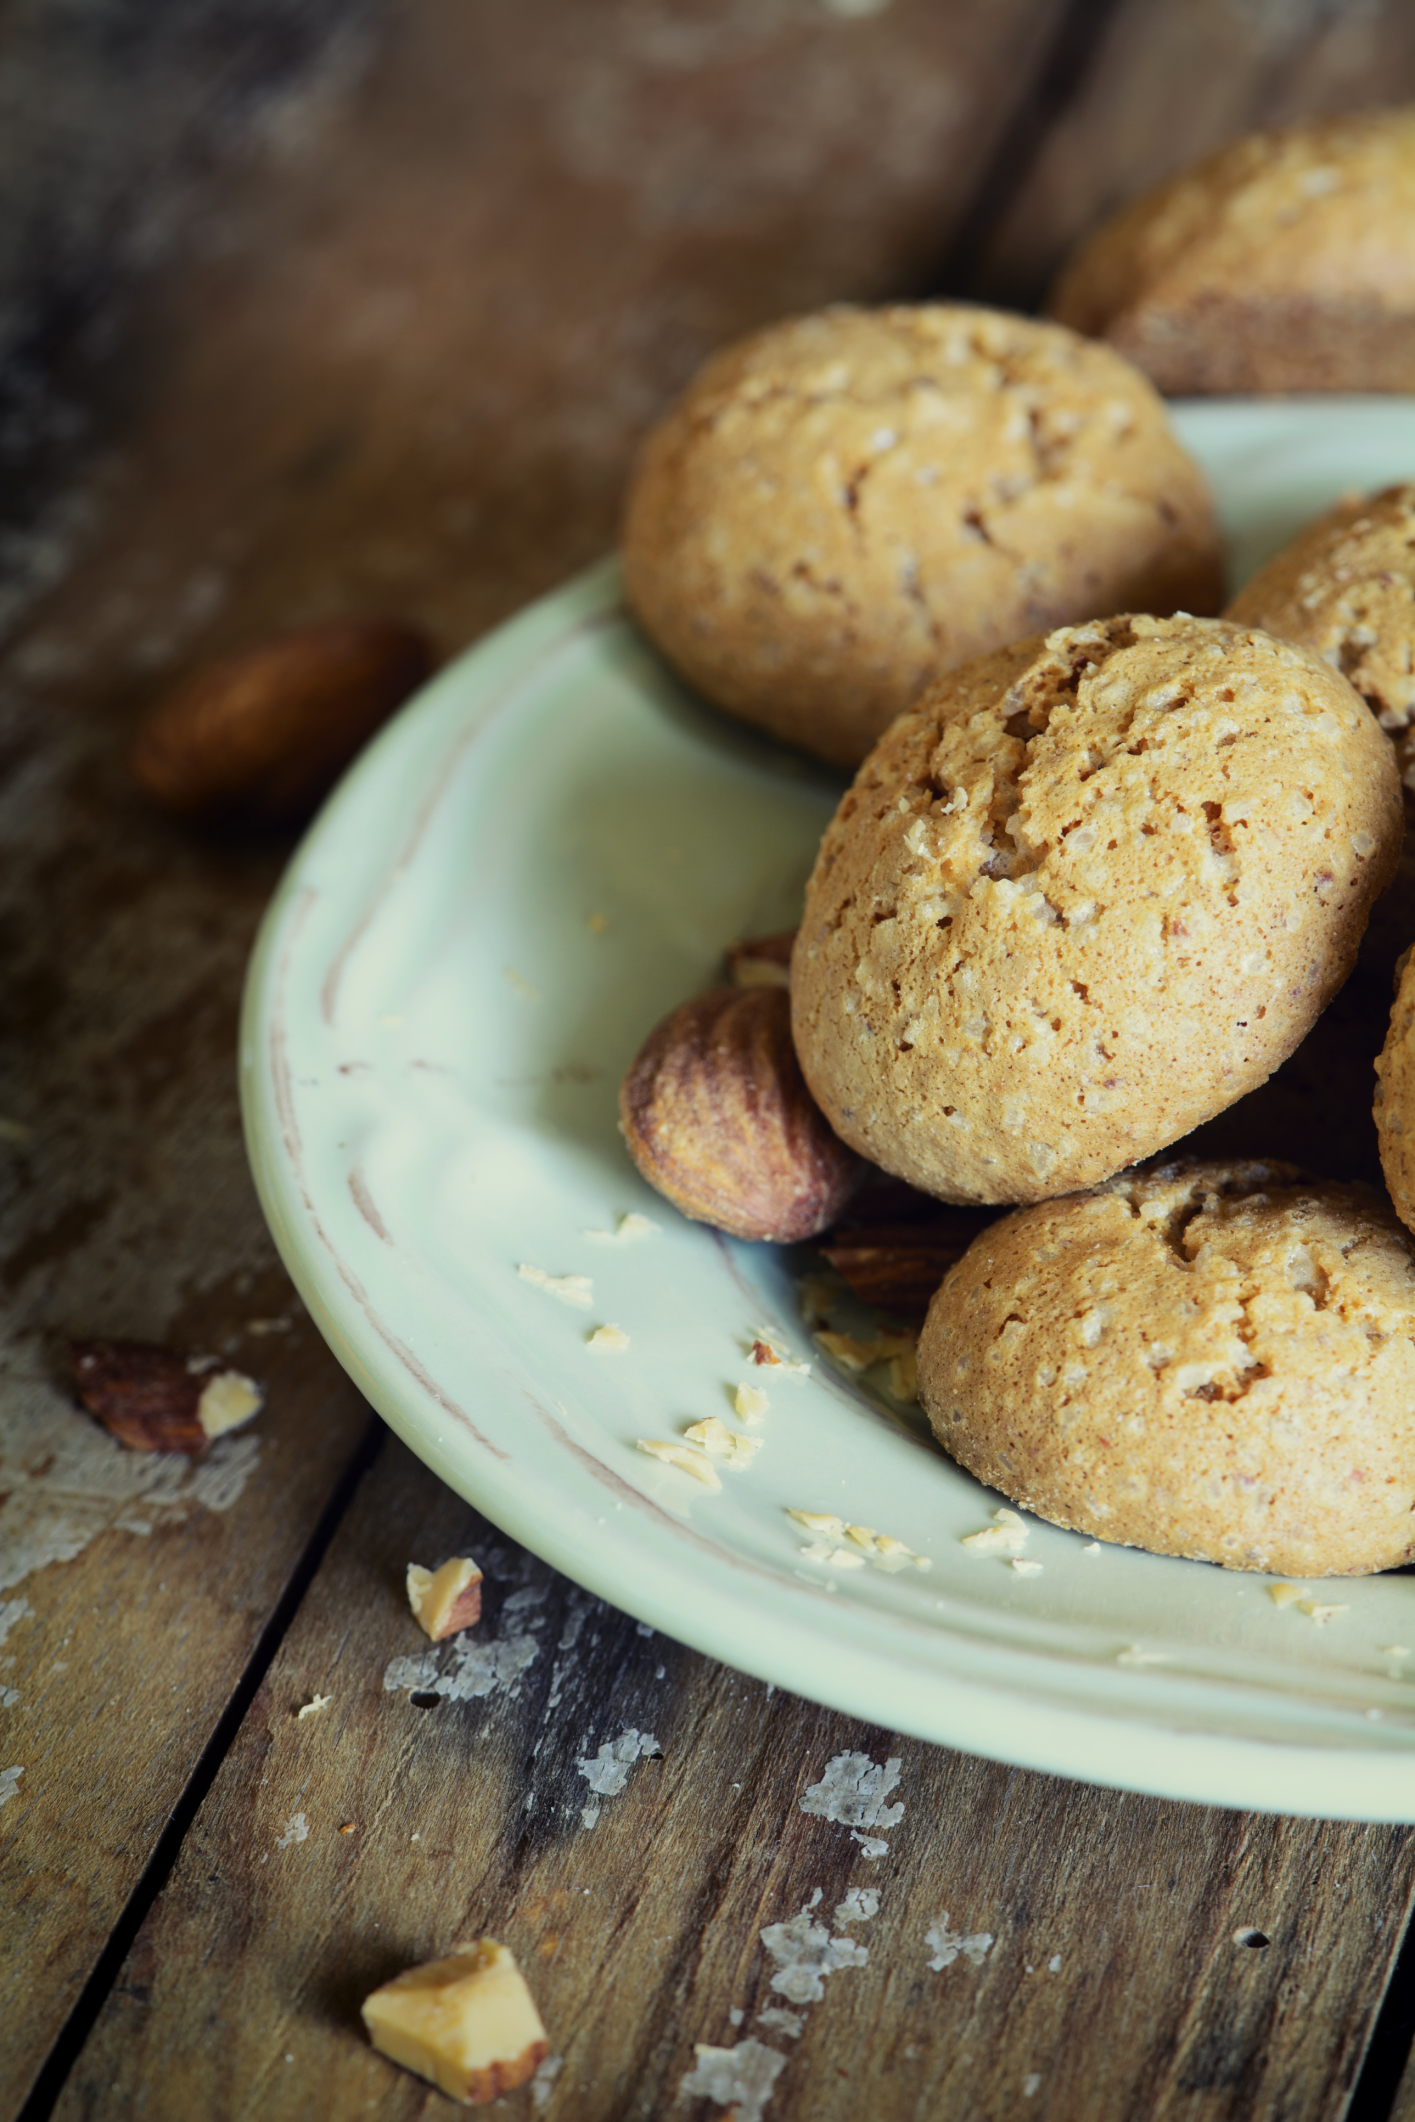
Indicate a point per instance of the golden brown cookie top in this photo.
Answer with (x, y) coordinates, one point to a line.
(1086, 894)
(845, 504)
(1345, 587)
(1207, 1359)
(1207, 282)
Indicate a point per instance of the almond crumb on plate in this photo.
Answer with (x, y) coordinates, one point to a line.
(570, 1289)
(818, 1521)
(1284, 1594)
(1024, 1568)
(720, 1442)
(685, 1457)
(1007, 1535)
(627, 1230)
(607, 1341)
(1315, 1611)
(751, 1402)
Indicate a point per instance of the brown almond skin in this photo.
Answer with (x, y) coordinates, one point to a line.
(260, 736)
(717, 1117)
(142, 1394)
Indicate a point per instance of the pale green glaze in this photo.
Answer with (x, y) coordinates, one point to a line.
(432, 1043)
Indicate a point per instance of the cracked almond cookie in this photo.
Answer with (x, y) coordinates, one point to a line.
(1345, 587)
(845, 505)
(1285, 262)
(1211, 1360)
(1087, 893)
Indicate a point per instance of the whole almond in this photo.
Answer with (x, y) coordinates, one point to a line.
(260, 736)
(717, 1116)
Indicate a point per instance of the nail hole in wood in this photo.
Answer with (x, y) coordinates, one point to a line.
(1244, 1935)
(426, 1701)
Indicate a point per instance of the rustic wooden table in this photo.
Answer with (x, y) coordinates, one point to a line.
(343, 307)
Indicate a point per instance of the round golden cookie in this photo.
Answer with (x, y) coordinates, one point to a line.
(1394, 1108)
(1286, 262)
(1086, 894)
(1212, 1360)
(845, 505)
(1345, 587)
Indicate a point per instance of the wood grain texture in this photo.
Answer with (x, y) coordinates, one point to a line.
(1112, 1985)
(135, 1588)
(1168, 85)
(397, 361)
(408, 349)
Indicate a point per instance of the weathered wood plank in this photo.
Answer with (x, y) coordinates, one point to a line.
(134, 1589)
(1111, 1986)
(1167, 85)
(410, 348)
(400, 358)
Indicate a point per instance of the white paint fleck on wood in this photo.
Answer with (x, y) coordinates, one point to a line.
(853, 1791)
(861, 1903)
(608, 1772)
(65, 1480)
(805, 1953)
(741, 2078)
(297, 1829)
(9, 1783)
(946, 1945)
(543, 2083)
(778, 2020)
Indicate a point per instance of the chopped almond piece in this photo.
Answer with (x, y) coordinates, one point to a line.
(468, 2023)
(447, 1599)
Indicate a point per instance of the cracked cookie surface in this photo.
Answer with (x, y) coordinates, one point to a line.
(1345, 587)
(1211, 1360)
(845, 505)
(1086, 894)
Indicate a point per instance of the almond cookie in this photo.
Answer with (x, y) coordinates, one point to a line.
(1086, 894)
(1346, 587)
(845, 505)
(1286, 262)
(1395, 1095)
(1212, 1360)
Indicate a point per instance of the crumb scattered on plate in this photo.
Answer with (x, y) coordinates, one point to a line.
(607, 1341)
(686, 1457)
(570, 1289)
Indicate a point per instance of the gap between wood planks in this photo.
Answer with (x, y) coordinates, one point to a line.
(1078, 36)
(69, 2045)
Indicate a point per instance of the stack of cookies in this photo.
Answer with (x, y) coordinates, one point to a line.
(1105, 861)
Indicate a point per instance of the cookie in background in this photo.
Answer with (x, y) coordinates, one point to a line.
(1285, 262)
(844, 506)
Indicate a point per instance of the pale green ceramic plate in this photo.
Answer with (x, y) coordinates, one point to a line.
(544, 853)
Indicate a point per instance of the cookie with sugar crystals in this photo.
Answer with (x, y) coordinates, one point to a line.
(1211, 1360)
(1285, 262)
(842, 506)
(1345, 587)
(1086, 894)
